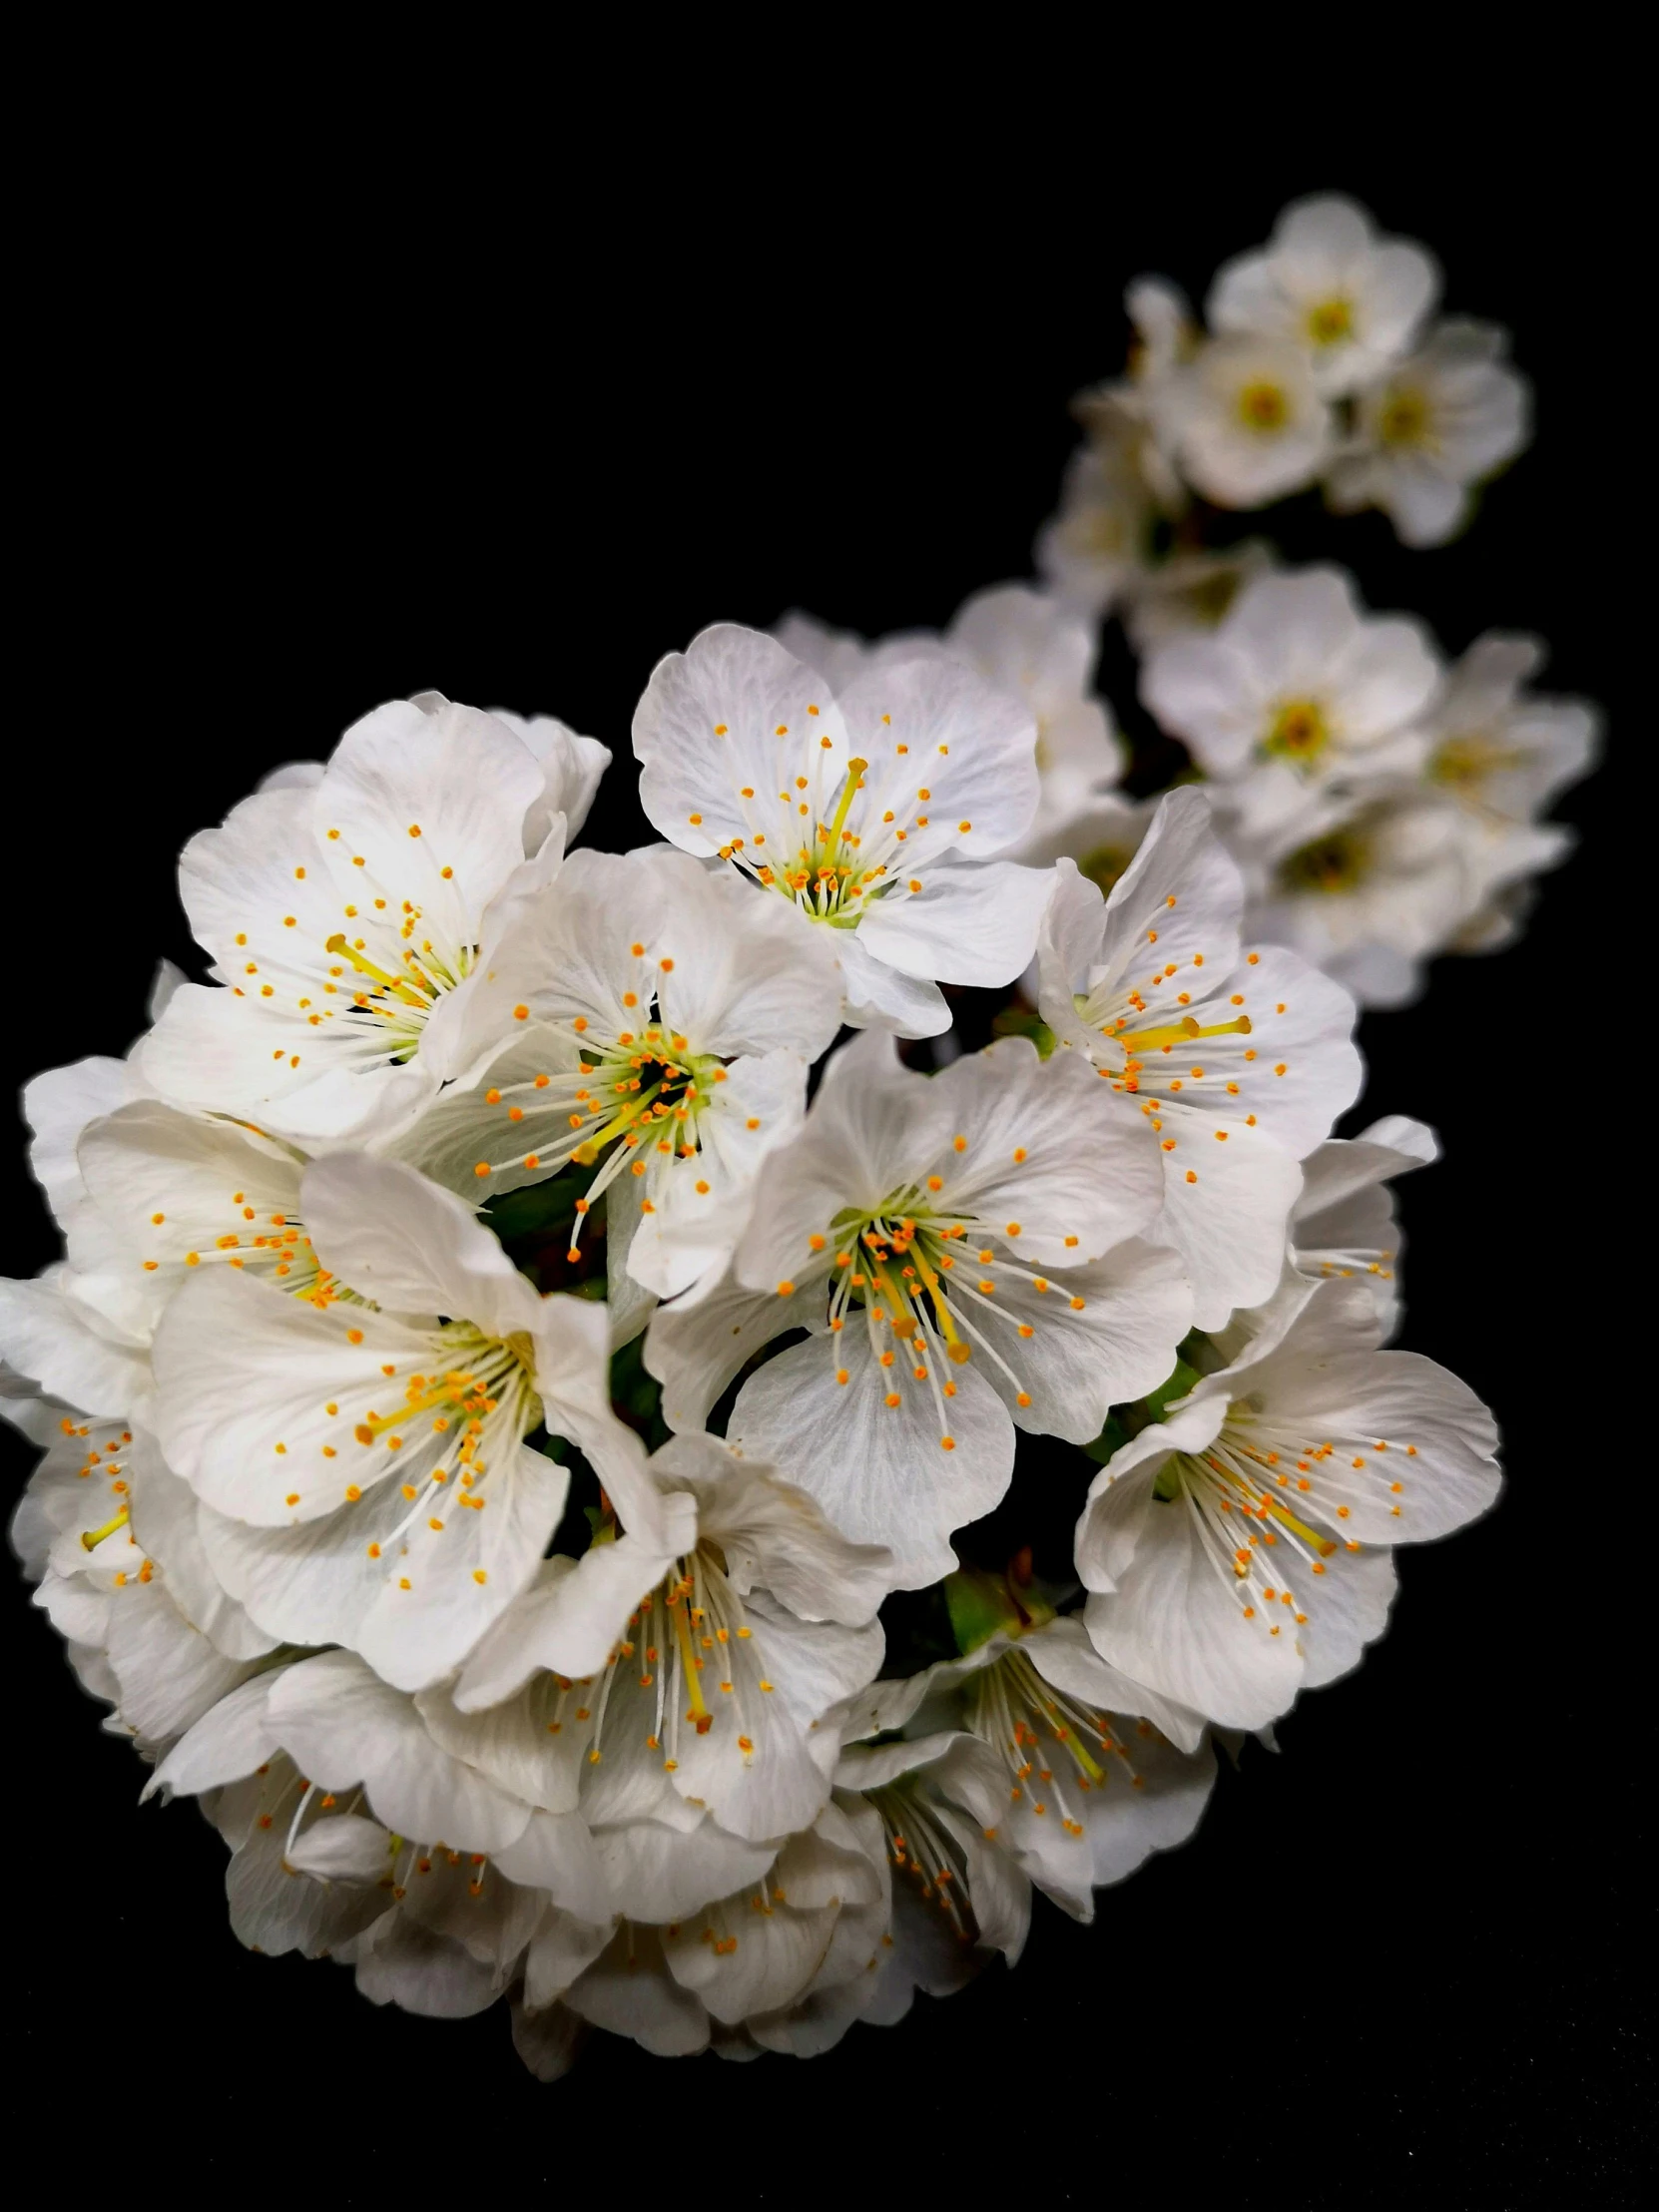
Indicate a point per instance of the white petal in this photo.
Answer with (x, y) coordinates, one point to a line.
(695, 1350)
(629, 1991)
(412, 1248)
(965, 925)
(1050, 1148)
(708, 722)
(232, 1738)
(971, 747)
(878, 1471)
(342, 1726)
(459, 1567)
(879, 997)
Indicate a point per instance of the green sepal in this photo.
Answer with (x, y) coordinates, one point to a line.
(1021, 1021)
(980, 1606)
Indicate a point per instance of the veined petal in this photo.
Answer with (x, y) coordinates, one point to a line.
(733, 712)
(877, 1469)
(935, 725)
(694, 1351)
(879, 997)
(1227, 1203)
(965, 926)
(242, 1368)
(457, 777)
(342, 1726)
(458, 1567)
(413, 1248)
(1049, 1148)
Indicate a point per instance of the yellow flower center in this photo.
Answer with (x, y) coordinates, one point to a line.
(1264, 406)
(1299, 732)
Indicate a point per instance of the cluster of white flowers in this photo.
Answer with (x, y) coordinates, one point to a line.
(1384, 806)
(516, 1358)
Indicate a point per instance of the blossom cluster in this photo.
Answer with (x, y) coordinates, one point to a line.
(544, 1333)
(1386, 805)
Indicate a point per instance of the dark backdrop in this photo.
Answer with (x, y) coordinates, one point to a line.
(291, 465)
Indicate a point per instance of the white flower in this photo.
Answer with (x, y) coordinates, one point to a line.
(362, 1469)
(664, 1023)
(1240, 1549)
(347, 917)
(1370, 893)
(785, 1962)
(1328, 285)
(710, 1640)
(1296, 691)
(161, 1644)
(1343, 1225)
(444, 1856)
(959, 1894)
(1504, 756)
(956, 1246)
(1432, 427)
(1024, 643)
(1222, 1069)
(871, 817)
(1083, 1794)
(1246, 420)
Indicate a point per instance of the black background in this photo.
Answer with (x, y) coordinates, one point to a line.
(292, 464)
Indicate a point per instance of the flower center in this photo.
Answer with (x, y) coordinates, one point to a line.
(834, 847)
(924, 1274)
(1465, 762)
(688, 1658)
(634, 1101)
(1331, 322)
(1056, 1749)
(1338, 861)
(924, 1846)
(1237, 1493)
(453, 1423)
(399, 997)
(1263, 406)
(1298, 733)
(1403, 418)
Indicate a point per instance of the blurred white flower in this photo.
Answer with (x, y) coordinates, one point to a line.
(1325, 283)
(1432, 428)
(1370, 893)
(1245, 419)
(1298, 691)
(1503, 754)
(1191, 593)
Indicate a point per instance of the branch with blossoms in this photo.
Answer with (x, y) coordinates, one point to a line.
(668, 1436)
